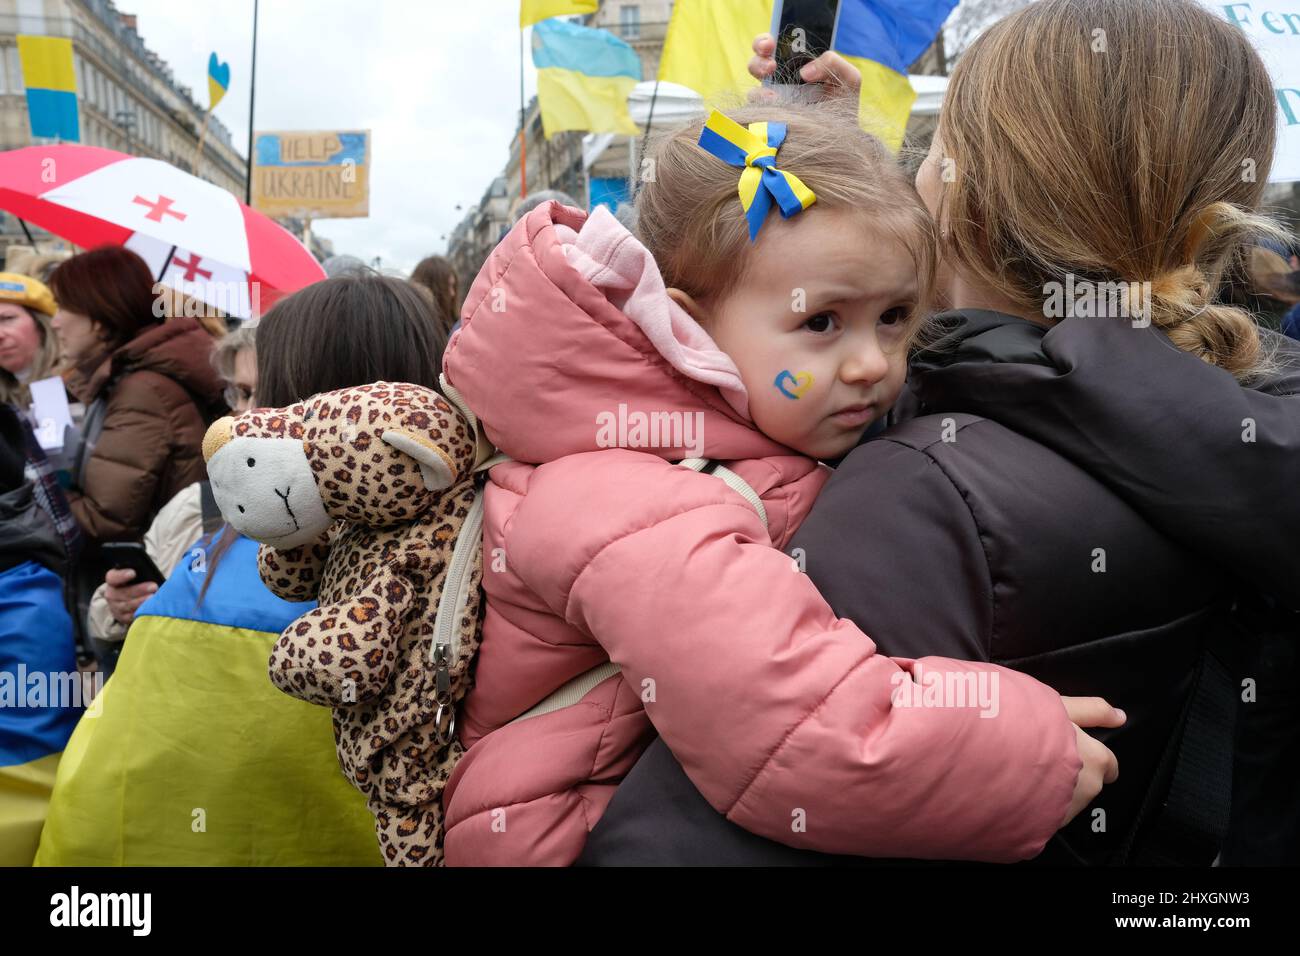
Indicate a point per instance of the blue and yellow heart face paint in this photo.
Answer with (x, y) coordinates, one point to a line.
(791, 385)
(754, 150)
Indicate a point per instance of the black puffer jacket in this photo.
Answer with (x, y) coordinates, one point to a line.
(1084, 504)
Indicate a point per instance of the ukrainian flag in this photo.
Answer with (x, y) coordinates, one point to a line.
(194, 757)
(51, 83)
(584, 77)
(38, 684)
(882, 38)
(530, 11)
(709, 43)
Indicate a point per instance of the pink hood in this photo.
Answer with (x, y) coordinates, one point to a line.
(583, 323)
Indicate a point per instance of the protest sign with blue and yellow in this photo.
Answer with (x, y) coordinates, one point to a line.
(584, 77)
(51, 82)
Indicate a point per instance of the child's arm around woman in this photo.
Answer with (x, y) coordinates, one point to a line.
(784, 716)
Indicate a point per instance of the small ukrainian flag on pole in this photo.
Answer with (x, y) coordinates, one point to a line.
(51, 83)
(584, 77)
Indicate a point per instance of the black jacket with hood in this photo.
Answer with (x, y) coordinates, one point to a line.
(1086, 504)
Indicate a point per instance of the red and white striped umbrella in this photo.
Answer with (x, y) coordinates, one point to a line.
(195, 236)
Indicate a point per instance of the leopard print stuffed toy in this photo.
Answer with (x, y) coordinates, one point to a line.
(359, 498)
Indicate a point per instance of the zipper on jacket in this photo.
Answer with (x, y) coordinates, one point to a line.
(454, 597)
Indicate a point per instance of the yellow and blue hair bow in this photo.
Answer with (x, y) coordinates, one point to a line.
(754, 150)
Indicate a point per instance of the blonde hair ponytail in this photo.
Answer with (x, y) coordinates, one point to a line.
(1182, 298)
(1116, 141)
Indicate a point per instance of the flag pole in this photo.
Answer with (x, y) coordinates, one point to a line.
(28, 233)
(252, 90)
(649, 121)
(523, 124)
(167, 263)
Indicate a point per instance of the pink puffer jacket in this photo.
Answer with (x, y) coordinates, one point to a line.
(783, 715)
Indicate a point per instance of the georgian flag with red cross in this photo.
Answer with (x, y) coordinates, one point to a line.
(195, 236)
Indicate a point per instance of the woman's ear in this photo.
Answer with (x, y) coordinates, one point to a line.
(693, 308)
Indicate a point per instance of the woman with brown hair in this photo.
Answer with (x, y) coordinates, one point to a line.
(149, 390)
(436, 274)
(1078, 484)
(148, 387)
(184, 518)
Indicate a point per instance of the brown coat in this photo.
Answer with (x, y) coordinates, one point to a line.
(160, 390)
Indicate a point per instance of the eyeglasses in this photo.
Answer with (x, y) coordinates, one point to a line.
(237, 396)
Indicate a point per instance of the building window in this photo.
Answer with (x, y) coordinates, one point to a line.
(14, 69)
(629, 21)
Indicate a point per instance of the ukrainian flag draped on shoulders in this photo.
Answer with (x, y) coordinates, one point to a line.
(584, 77)
(41, 696)
(194, 757)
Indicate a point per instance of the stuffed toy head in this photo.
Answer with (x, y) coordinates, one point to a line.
(376, 455)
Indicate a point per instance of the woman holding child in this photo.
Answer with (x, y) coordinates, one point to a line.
(1099, 502)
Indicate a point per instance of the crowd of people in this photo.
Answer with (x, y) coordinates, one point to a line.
(905, 475)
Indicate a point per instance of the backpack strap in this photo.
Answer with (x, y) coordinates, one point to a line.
(212, 519)
(485, 454)
(709, 466)
(574, 690)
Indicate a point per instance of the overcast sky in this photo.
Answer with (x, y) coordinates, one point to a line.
(436, 81)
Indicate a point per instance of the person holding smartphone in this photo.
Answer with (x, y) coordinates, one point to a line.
(180, 522)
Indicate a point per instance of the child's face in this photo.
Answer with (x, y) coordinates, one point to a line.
(818, 328)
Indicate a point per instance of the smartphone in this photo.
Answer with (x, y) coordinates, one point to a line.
(129, 554)
(804, 30)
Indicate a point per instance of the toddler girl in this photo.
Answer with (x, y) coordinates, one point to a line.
(727, 331)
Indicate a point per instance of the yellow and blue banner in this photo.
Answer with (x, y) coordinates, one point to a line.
(584, 77)
(51, 82)
(194, 757)
(754, 149)
(218, 80)
(531, 11)
(882, 38)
